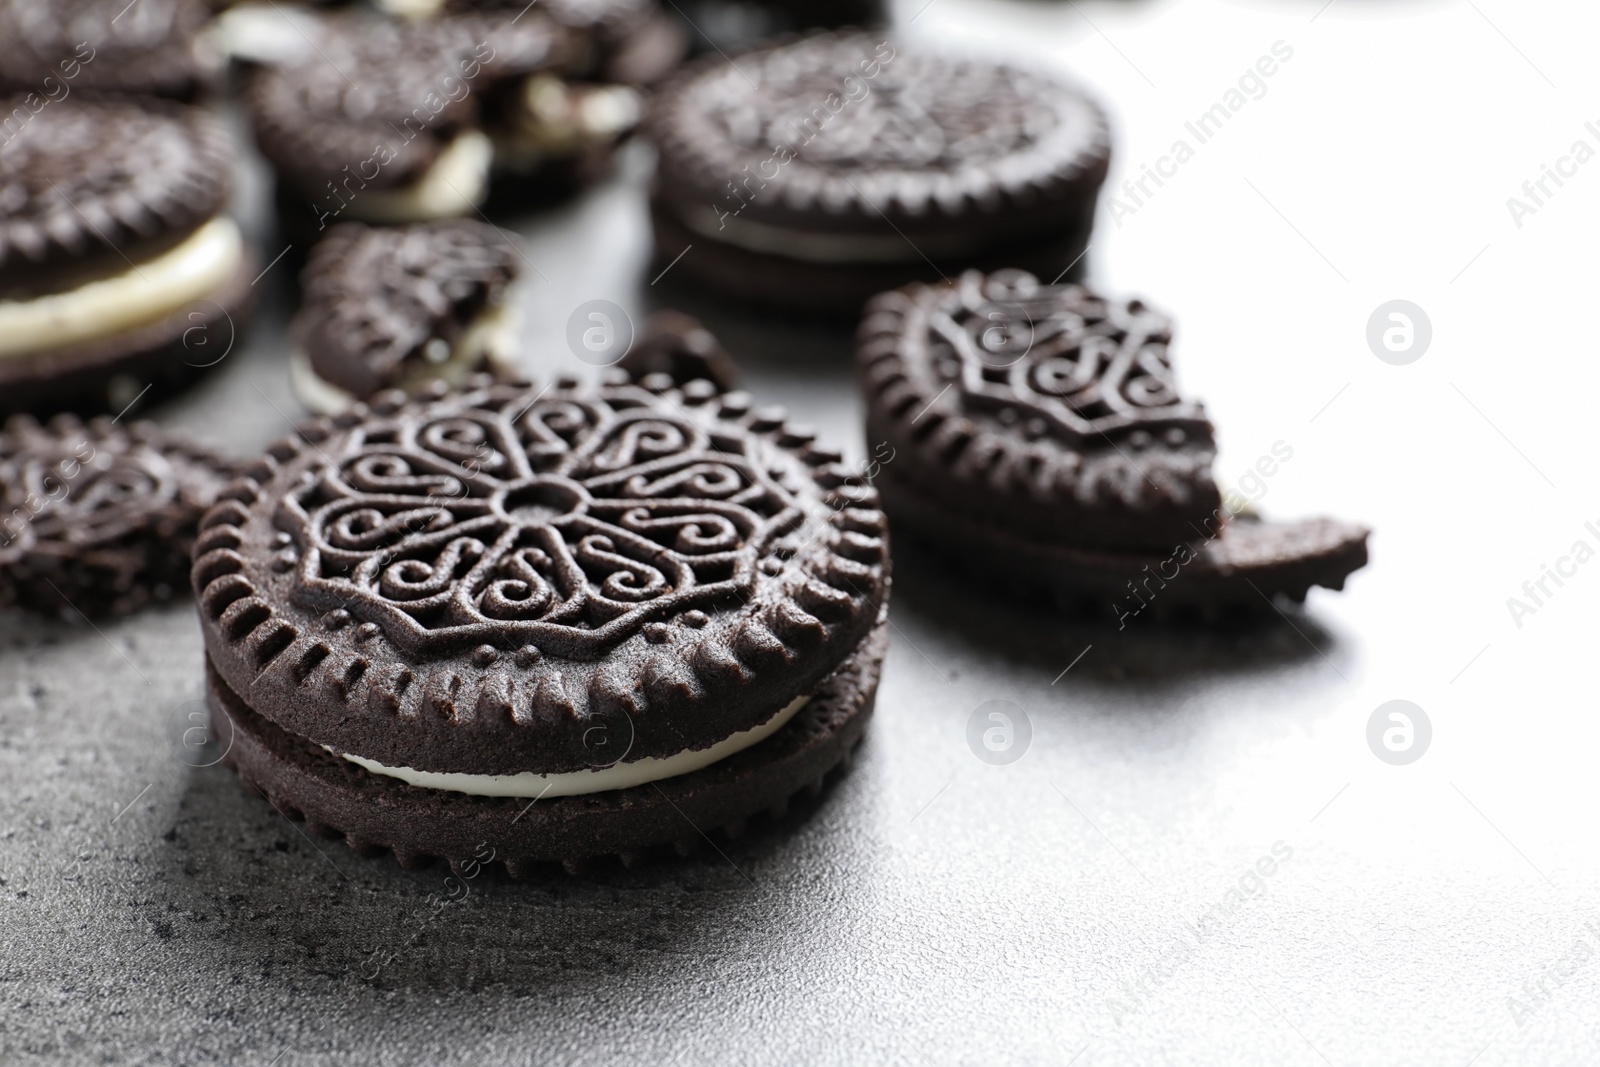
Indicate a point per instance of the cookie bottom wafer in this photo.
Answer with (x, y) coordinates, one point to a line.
(374, 813)
(835, 290)
(1239, 567)
(148, 362)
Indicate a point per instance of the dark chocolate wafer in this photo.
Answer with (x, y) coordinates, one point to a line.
(93, 186)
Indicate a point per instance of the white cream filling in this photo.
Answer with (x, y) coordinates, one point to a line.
(147, 292)
(609, 112)
(455, 184)
(411, 9)
(813, 247)
(490, 338)
(558, 120)
(580, 783)
(559, 117)
(264, 33)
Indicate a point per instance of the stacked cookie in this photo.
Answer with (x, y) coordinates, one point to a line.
(809, 176)
(120, 270)
(528, 625)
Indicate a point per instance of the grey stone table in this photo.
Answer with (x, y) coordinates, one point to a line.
(1198, 859)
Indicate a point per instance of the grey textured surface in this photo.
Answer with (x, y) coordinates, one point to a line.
(936, 909)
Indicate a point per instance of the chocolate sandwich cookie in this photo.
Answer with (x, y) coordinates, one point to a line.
(99, 518)
(54, 48)
(119, 269)
(817, 173)
(1038, 437)
(398, 308)
(542, 624)
(398, 122)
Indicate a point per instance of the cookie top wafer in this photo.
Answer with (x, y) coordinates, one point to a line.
(382, 302)
(379, 101)
(1050, 408)
(477, 582)
(56, 47)
(835, 132)
(90, 185)
(97, 517)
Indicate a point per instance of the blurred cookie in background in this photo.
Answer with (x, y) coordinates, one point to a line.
(98, 518)
(555, 136)
(630, 42)
(391, 122)
(384, 122)
(402, 308)
(557, 133)
(52, 48)
(121, 275)
(816, 173)
(678, 346)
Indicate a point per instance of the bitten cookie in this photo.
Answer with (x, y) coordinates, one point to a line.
(814, 174)
(53, 48)
(119, 269)
(99, 518)
(542, 624)
(1039, 438)
(402, 307)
